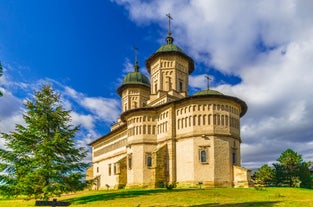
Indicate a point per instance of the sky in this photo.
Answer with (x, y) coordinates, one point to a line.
(259, 51)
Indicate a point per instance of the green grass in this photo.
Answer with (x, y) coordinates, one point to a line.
(213, 197)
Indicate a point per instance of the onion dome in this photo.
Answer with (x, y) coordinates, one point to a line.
(170, 48)
(134, 78)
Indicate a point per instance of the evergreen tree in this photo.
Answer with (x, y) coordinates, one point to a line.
(40, 159)
(291, 170)
(264, 176)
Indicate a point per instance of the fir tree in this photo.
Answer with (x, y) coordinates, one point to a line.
(264, 176)
(40, 159)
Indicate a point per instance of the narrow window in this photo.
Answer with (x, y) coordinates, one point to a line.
(234, 158)
(109, 169)
(149, 160)
(199, 120)
(97, 169)
(180, 85)
(130, 162)
(203, 156)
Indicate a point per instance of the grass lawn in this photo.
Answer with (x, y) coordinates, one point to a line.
(212, 197)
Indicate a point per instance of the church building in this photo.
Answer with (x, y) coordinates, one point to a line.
(166, 136)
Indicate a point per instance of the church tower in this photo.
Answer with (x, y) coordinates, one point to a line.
(135, 89)
(169, 68)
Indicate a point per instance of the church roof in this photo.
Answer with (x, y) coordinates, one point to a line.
(207, 92)
(170, 48)
(134, 78)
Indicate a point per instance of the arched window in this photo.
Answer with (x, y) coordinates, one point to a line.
(209, 119)
(226, 120)
(203, 156)
(144, 129)
(149, 160)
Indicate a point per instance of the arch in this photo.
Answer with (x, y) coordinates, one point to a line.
(194, 120)
(226, 120)
(199, 120)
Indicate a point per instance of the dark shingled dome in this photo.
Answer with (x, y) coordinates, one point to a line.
(136, 78)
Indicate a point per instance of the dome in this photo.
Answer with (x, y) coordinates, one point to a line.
(207, 92)
(170, 48)
(136, 78)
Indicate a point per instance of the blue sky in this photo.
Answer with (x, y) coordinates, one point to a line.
(259, 51)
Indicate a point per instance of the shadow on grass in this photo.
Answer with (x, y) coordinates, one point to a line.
(107, 195)
(261, 203)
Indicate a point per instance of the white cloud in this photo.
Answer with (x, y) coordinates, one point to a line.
(102, 109)
(268, 44)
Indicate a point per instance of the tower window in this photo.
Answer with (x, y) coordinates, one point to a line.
(203, 155)
(149, 160)
(234, 157)
(180, 85)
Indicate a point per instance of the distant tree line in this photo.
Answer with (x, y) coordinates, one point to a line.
(290, 170)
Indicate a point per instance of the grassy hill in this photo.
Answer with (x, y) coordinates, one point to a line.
(213, 197)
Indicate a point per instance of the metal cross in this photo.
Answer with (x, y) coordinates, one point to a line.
(208, 78)
(169, 23)
(136, 59)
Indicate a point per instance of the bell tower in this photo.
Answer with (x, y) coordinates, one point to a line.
(169, 68)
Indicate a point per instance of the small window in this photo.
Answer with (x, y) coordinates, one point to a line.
(110, 169)
(149, 159)
(203, 156)
(234, 157)
(180, 86)
(130, 162)
(97, 169)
